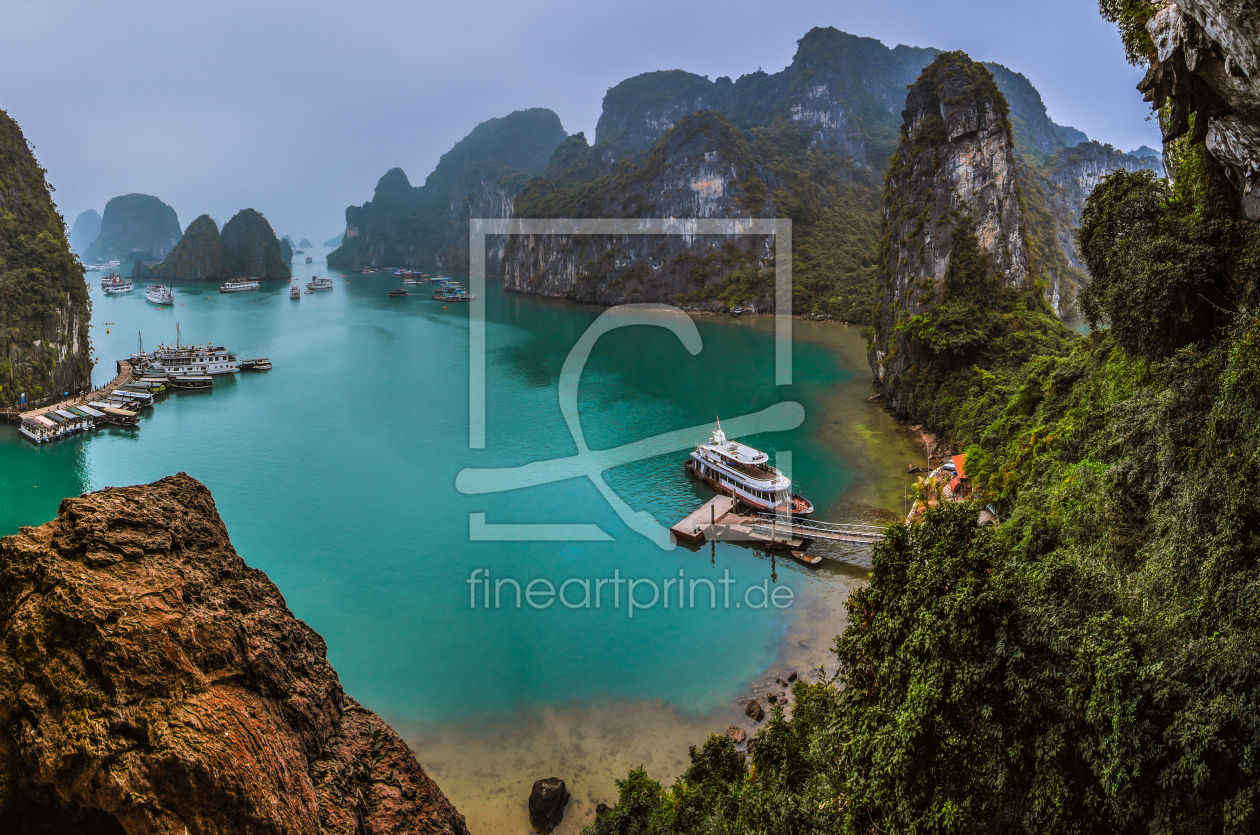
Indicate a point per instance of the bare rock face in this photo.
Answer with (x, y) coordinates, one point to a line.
(151, 682)
(702, 169)
(956, 163)
(1207, 63)
(1074, 173)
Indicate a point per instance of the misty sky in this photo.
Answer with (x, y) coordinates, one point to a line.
(297, 108)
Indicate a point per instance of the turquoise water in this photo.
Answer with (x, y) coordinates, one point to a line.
(335, 474)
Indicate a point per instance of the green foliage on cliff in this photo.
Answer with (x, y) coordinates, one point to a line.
(1130, 16)
(135, 223)
(1090, 664)
(834, 208)
(250, 247)
(43, 296)
(198, 255)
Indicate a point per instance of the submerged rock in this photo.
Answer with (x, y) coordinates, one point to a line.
(547, 802)
(152, 682)
(755, 711)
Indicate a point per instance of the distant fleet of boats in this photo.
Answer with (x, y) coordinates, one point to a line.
(445, 289)
(153, 373)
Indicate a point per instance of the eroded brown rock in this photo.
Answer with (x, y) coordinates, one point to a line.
(152, 682)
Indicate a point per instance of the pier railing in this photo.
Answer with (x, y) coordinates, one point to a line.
(814, 529)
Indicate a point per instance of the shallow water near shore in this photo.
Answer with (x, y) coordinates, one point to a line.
(335, 474)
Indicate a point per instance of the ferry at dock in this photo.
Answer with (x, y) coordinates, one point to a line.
(745, 474)
(114, 283)
(159, 294)
(188, 360)
(239, 286)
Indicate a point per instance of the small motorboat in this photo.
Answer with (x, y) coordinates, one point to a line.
(812, 560)
(189, 382)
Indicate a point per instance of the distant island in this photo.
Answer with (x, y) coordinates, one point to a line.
(135, 223)
(247, 246)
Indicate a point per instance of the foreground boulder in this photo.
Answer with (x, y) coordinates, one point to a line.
(152, 682)
(547, 802)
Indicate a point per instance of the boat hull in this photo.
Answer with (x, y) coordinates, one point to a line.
(802, 512)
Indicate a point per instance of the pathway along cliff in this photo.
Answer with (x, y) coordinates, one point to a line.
(152, 682)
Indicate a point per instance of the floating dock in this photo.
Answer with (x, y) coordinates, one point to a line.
(125, 374)
(717, 521)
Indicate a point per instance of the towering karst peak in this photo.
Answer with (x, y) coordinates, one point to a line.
(953, 223)
(251, 248)
(44, 306)
(198, 255)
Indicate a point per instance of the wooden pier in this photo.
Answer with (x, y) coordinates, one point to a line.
(125, 373)
(717, 520)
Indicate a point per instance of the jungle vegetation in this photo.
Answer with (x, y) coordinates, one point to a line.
(40, 278)
(1092, 663)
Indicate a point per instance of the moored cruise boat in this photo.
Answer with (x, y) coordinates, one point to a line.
(744, 473)
(114, 283)
(318, 283)
(159, 294)
(196, 360)
(241, 285)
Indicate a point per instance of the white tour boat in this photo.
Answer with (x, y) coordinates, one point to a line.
(744, 473)
(114, 283)
(241, 285)
(159, 294)
(318, 283)
(295, 292)
(186, 360)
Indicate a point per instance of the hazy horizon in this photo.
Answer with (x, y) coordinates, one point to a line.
(297, 109)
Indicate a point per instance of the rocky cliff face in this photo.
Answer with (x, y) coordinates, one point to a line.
(818, 135)
(701, 169)
(1037, 136)
(428, 225)
(844, 91)
(1072, 173)
(135, 223)
(1206, 64)
(250, 247)
(954, 169)
(151, 682)
(44, 305)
